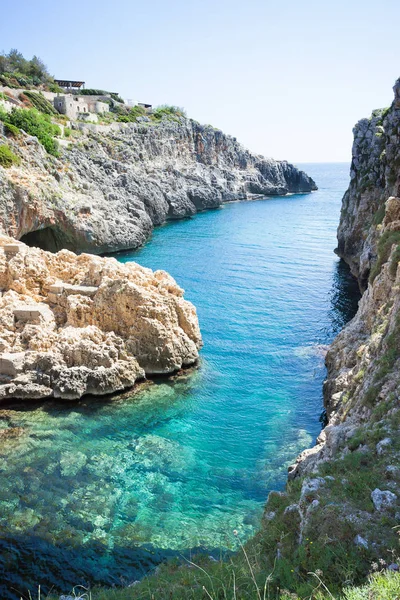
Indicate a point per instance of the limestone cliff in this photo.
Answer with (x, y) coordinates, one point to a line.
(72, 325)
(112, 185)
(375, 176)
(344, 493)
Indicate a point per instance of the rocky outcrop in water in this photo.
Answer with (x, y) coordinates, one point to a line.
(113, 185)
(73, 325)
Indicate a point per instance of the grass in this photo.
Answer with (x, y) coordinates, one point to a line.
(202, 585)
(7, 157)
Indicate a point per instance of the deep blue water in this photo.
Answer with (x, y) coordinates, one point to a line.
(93, 486)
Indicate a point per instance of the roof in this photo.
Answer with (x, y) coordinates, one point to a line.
(69, 83)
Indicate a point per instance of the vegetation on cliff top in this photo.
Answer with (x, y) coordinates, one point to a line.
(17, 71)
(34, 123)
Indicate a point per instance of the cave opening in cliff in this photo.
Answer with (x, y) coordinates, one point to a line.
(51, 238)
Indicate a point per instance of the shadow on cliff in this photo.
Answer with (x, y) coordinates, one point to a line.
(345, 296)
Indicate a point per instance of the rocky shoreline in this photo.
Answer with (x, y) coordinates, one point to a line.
(110, 187)
(346, 489)
(74, 325)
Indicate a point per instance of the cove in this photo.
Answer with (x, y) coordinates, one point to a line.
(100, 490)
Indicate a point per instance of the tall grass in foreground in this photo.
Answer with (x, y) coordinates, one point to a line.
(239, 578)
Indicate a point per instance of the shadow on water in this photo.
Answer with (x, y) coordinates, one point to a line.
(345, 296)
(63, 565)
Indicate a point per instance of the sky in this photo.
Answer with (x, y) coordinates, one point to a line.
(287, 78)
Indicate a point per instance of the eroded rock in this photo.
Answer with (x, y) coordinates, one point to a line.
(72, 325)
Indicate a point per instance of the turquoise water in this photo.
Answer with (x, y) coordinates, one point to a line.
(101, 490)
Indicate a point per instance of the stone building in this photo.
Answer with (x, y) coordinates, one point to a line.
(76, 106)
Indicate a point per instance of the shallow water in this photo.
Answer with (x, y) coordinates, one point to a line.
(102, 489)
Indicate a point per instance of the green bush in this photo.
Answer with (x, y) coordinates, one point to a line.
(11, 130)
(32, 71)
(7, 157)
(67, 132)
(132, 115)
(3, 114)
(38, 124)
(394, 261)
(117, 98)
(165, 111)
(93, 92)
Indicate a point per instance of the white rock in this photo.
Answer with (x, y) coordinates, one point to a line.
(383, 499)
(360, 541)
(311, 486)
(383, 445)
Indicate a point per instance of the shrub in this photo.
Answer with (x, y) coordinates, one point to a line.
(133, 114)
(171, 113)
(3, 114)
(67, 132)
(394, 261)
(38, 124)
(11, 130)
(117, 98)
(93, 92)
(7, 157)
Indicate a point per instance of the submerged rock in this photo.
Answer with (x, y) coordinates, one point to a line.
(72, 325)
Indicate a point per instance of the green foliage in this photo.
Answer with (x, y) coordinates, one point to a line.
(40, 103)
(7, 157)
(384, 248)
(16, 70)
(3, 114)
(38, 124)
(67, 132)
(11, 130)
(172, 113)
(394, 261)
(93, 92)
(55, 88)
(133, 114)
(379, 215)
(117, 98)
(391, 353)
(380, 586)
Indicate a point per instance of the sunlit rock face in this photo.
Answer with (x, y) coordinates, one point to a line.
(375, 177)
(109, 189)
(72, 325)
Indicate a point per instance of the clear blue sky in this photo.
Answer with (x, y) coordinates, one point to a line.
(288, 78)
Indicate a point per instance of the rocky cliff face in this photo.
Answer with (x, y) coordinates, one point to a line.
(344, 493)
(375, 176)
(108, 190)
(72, 325)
